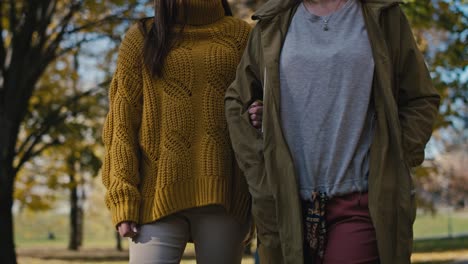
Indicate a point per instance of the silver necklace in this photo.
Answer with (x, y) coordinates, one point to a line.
(325, 19)
(325, 23)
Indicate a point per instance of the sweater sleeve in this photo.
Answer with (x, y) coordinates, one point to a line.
(120, 173)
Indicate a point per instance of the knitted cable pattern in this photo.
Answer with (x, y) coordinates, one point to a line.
(166, 139)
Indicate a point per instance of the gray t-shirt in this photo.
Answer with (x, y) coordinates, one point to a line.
(326, 79)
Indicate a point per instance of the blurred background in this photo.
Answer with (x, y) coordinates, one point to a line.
(56, 62)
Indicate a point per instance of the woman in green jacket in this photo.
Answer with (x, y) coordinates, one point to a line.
(348, 107)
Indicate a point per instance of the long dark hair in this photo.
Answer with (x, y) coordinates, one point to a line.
(160, 38)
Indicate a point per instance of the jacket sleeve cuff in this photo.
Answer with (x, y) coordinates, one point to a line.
(126, 210)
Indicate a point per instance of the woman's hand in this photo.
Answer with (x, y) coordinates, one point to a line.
(256, 114)
(127, 229)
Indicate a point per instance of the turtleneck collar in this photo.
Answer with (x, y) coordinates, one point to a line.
(201, 12)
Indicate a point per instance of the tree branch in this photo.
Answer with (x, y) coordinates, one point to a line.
(76, 45)
(54, 118)
(47, 11)
(114, 17)
(12, 17)
(2, 56)
(2, 43)
(28, 139)
(63, 25)
(30, 154)
(16, 90)
(62, 32)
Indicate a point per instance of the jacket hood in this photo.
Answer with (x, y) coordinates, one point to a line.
(274, 7)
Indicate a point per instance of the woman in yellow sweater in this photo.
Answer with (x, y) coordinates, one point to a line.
(169, 169)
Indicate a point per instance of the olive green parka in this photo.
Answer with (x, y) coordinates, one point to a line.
(406, 106)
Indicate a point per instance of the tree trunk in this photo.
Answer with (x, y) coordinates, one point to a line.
(82, 200)
(7, 176)
(80, 218)
(118, 241)
(7, 246)
(74, 242)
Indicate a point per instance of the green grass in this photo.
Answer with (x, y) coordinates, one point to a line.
(88, 256)
(31, 228)
(31, 231)
(26, 260)
(434, 262)
(441, 245)
(427, 225)
(40, 261)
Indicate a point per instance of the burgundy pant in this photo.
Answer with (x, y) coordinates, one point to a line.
(350, 233)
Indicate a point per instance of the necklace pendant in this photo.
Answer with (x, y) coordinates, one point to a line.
(325, 24)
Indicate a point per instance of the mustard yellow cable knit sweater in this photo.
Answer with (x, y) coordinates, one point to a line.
(167, 143)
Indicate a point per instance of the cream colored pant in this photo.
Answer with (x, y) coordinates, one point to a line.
(218, 238)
